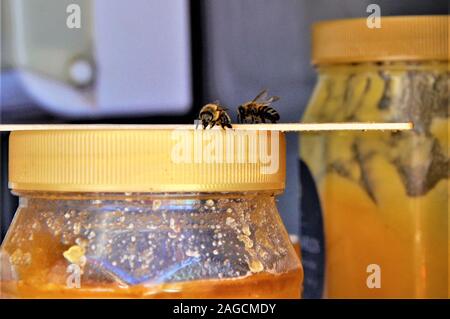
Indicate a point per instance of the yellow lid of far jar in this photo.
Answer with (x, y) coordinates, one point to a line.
(159, 160)
(402, 38)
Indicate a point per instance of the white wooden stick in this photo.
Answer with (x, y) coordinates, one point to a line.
(284, 127)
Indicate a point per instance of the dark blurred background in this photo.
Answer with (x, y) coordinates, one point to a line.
(154, 61)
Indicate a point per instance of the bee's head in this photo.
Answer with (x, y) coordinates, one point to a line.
(206, 118)
(245, 115)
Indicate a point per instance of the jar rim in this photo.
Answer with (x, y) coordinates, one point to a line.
(139, 195)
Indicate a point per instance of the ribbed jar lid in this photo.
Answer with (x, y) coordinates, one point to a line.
(403, 38)
(160, 160)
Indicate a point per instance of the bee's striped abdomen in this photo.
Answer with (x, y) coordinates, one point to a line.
(268, 113)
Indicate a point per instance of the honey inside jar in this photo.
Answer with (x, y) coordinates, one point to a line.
(265, 286)
(225, 244)
(382, 197)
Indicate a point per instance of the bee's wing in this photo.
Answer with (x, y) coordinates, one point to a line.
(269, 101)
(261, 95)
(273, 99)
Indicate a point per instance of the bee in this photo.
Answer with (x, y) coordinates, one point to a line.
(212, 114)
(258, 110)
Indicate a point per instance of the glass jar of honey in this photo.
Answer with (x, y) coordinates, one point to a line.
(157, 213)
(375, 205)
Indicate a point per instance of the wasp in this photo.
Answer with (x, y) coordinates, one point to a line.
(258, 110)
(212, 114)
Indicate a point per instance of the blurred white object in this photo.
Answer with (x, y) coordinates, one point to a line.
(81, 72)
(127, 58)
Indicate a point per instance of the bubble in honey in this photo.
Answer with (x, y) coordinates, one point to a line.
(76, 228)
(56, 228)
(36, 226)
(49, 222)
(75, 255)
(230, 221)
(65, 238)
(209, 203)
(18, 257)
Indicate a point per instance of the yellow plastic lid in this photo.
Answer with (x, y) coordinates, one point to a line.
(406, 38)
(159, 160)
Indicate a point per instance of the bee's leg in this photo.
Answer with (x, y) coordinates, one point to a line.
(224, 125)
(205, 125)
(263, 119)
(211, 125)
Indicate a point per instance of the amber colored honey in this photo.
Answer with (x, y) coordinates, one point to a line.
(383, 196)
(262, 285)
(412, 266)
